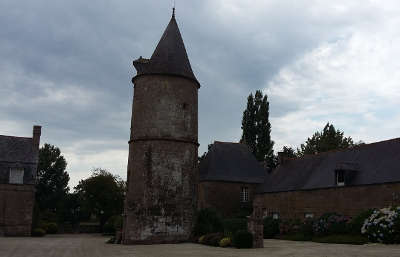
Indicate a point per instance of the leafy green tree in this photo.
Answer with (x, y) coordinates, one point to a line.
(102, 195)
(257, 128)
(289, 152)
(326, 140)
(249, 135)
(52, 186)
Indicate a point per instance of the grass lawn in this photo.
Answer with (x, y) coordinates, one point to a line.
(331, 239)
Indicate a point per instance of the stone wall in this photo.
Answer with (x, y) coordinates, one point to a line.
(16, 207)
(349, 200)
(224, 196)
(162, 163)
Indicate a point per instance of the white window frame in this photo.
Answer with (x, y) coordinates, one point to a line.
(14, 177)
(309, 215)
(244, 195)
(339, 183)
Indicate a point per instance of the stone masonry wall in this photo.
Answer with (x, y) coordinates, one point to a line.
(16, 206)
(162, 162)
(350, 200)
(224, 196)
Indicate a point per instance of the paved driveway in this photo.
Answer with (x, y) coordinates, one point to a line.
(94, 246)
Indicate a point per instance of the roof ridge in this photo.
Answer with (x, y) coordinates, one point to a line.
(15, 137)
(343, 150)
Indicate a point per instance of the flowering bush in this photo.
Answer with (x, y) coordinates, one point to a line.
(330, 223)
(383, 226)
(225, 242)
(289, 227)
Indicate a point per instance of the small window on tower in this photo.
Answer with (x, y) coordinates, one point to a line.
(244, 195)
(340, 177)
(184, 106)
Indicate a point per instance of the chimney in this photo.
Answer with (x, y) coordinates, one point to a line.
(37, 131)
(282, 157)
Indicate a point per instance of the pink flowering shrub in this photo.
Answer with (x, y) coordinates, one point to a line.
(330, 223)
(383, 226)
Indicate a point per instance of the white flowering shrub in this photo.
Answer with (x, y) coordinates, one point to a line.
(383, 226)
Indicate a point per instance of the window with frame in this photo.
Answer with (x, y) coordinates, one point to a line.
(340, 177)
(275, 215)
(244, 195)
(309, 215)
(16, 176)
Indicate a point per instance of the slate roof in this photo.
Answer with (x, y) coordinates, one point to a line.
(231, 162)
(374, 163)
(169, 57)
(17, 149)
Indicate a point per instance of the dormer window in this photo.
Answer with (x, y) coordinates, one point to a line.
(16, 176)
(340, 177)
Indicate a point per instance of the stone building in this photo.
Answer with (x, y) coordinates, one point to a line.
(18, 164)
(229, 176)
(163, 147)
(346, 182)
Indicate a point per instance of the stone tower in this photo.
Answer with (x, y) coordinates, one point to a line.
(162, 165)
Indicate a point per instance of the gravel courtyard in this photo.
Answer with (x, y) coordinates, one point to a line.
(94, 245)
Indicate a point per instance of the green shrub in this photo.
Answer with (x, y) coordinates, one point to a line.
(383, 226)
(306, 229)
(294, 237)
(51, 228)
(357, 222)
(290, 226)
(271, 227)
(341, 239)
(207, 221)
(243, 239)
(113, 224)
(225, 242)
(201, 239)
(233, 225)
(38, 232)
(212, 239)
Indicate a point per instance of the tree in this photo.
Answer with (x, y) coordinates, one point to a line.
(257, 128)
(289, 152)
(52, 185)
(249, 135)
(102, 194)
(326, 140)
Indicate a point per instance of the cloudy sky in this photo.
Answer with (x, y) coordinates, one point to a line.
(67, 65)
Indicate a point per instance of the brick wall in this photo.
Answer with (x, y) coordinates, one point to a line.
(350, 200)
(223, 196)
(16, 206)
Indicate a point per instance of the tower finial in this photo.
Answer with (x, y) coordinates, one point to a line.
(173, 10)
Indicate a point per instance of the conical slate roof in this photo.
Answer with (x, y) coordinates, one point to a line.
(169, 57)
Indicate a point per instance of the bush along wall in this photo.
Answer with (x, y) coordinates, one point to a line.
(271, 227)
(207, 221)
(383, 226)
(243, 239)
(331, 223)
